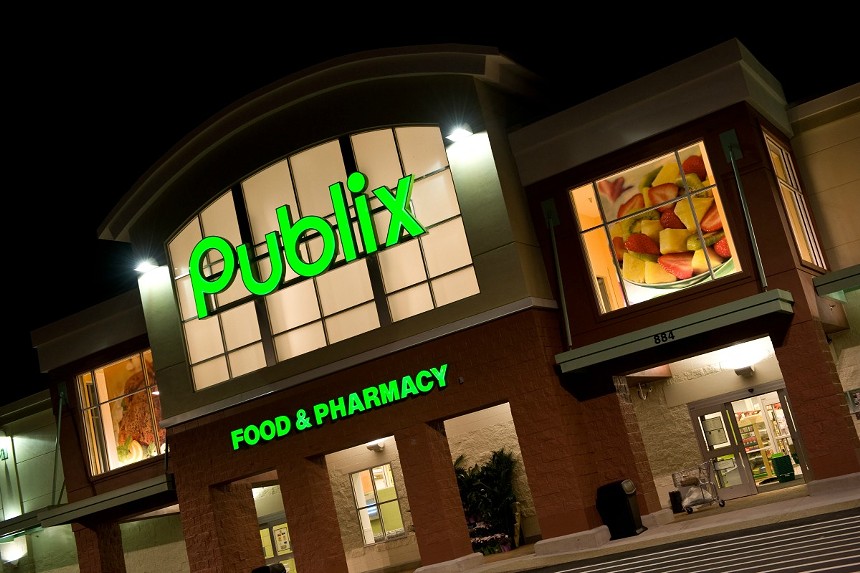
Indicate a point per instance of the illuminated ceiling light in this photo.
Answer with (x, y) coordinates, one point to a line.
(376, 445)
(146, 265)
(745, 371)
(460, 133)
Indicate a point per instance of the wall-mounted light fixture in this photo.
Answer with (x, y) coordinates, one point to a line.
(12, 551)
(146, 265)
(459, 132)
(3, 455)
(376, 445)
(644, 389)
(745, 371)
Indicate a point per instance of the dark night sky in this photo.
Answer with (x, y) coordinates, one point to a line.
(95, 100)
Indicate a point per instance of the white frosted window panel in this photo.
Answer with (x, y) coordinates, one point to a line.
(313, 171)
(352, 323)
(187, 309)
(181, 246)
(209, 373)
(293, 306)
(446, 248)
(264, 192)
(410, 302)
(240, 326)
(434, 199)
(297, 342)
(376, 157)
(234, 292)
(455, 286)
(246, 360)
(402, 266)
(422, 149)
(344, 287)
(203, 338)
(219, 219)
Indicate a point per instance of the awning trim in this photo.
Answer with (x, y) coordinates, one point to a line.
(768, 302)
(837, 283)
(71, 512)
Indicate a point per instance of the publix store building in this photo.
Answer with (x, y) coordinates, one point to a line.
(348, 314)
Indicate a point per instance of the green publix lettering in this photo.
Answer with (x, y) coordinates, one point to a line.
(291, 232)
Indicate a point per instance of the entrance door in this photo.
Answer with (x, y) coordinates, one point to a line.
(766, 430)
(717, 433)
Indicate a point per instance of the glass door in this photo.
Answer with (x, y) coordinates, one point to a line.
(766, 431)
(719, 440)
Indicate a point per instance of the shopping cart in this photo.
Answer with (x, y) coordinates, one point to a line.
(696, 486)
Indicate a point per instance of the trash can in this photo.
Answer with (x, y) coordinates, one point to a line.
(619, 510)
(782, 467)
(273, 568)
(676, 501)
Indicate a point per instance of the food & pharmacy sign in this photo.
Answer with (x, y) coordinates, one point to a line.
(289, 235)
(369, 398)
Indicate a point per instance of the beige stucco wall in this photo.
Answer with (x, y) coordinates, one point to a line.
(826, 144)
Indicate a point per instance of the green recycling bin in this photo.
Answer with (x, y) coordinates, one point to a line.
(782, 467)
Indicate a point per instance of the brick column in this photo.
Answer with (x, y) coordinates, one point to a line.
(434, 499)
(99, 547)
(236, 527)
(311, 515)
(818, 403)
(556, 452)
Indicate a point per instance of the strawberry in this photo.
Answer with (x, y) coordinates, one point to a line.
(612, 189)
(632, 205)
(661, 193)
(641, 243)
(722, 248)
(679, 264)
(670, 220)
(695, 164)
(618, 247)
(711, 221)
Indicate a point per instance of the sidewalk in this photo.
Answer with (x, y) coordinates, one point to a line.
(815, 498)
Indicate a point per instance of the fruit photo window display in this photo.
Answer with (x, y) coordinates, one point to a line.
(654, 229)
(120, 412)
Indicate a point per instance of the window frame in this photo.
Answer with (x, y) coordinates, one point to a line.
(271, 345)
(595, 237)
(798, 215)
(94, 410)
(384, 536)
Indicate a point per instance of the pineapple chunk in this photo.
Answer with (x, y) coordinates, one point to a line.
(668, 174)
(652, 228)
(673, 240)
(633, 268)
(655, 274)
(617, 230)
(700, 205)
(700, 265)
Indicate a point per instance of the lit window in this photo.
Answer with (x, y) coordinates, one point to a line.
(377, 504)
(794, 202)
(381, 286)
(654, 229)
(121, 410)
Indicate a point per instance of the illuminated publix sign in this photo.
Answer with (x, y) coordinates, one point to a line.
(369, 398)
(291, 232)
